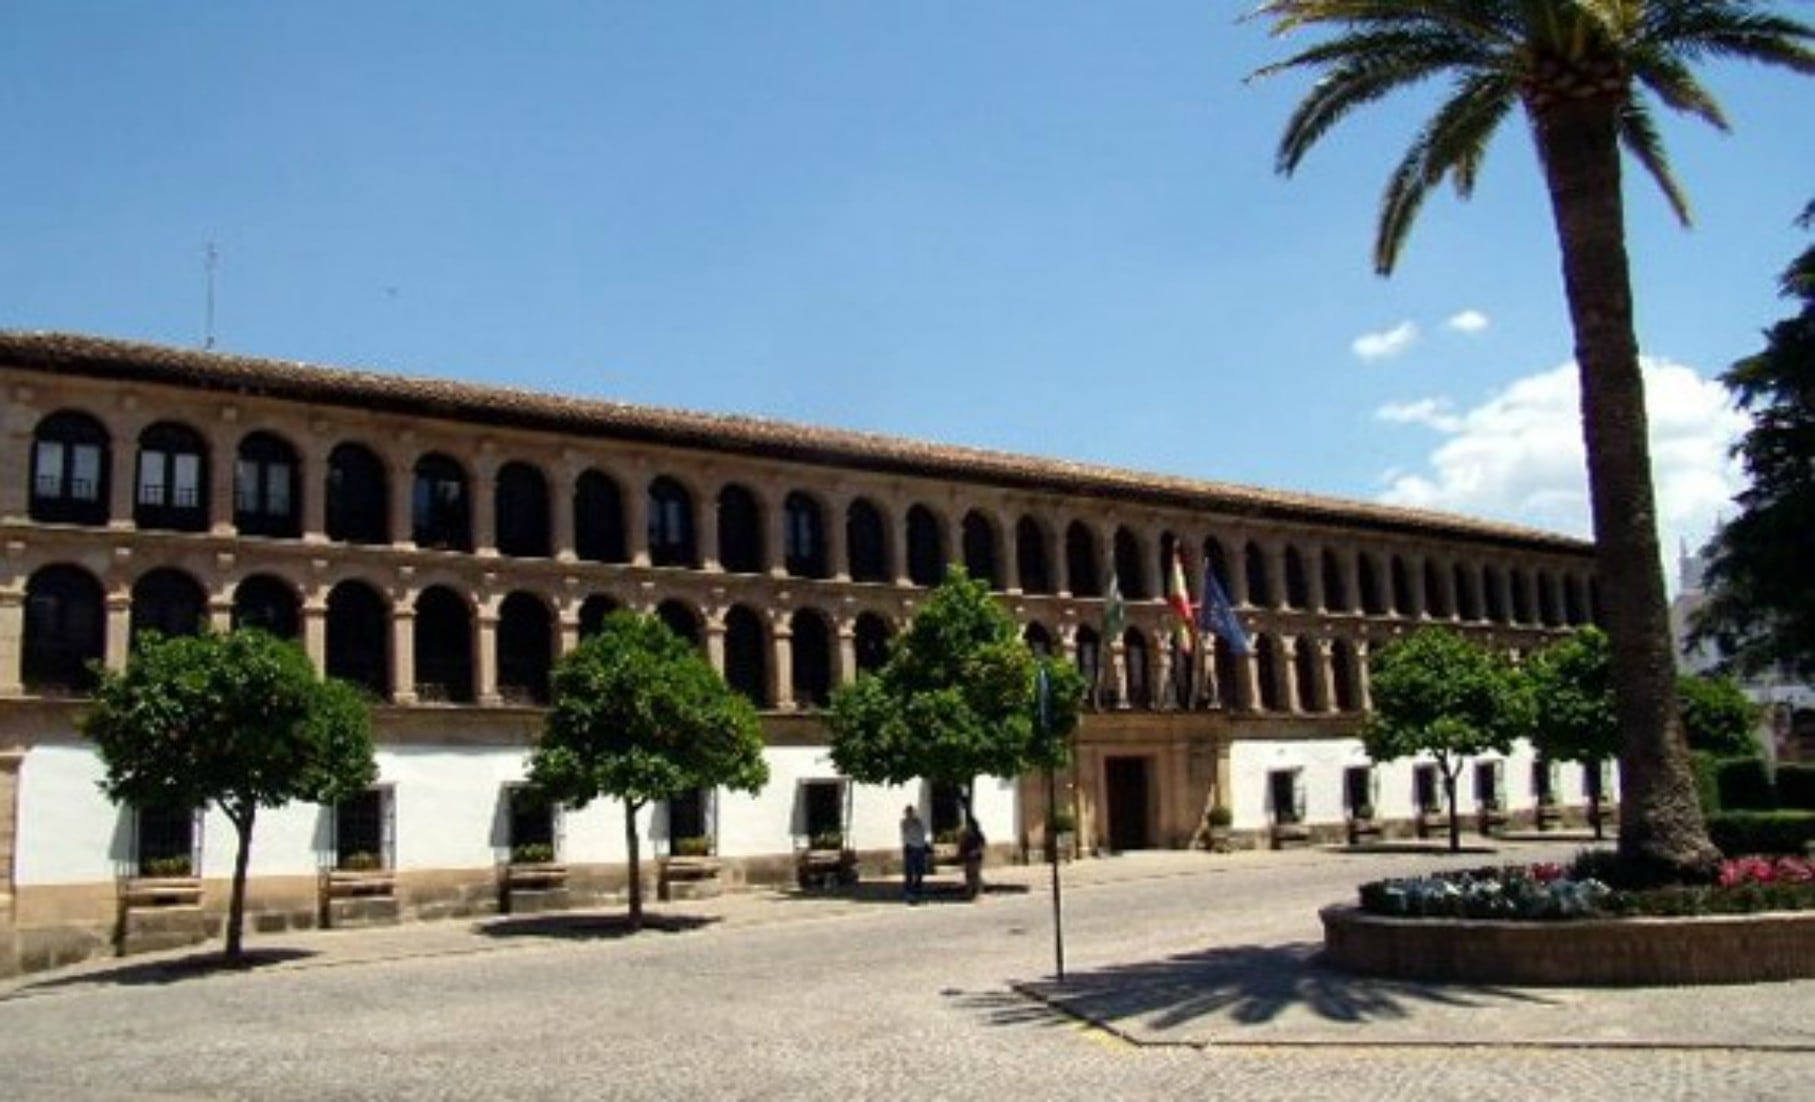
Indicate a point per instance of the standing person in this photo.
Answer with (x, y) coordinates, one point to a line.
(970, 851)
(913, 852)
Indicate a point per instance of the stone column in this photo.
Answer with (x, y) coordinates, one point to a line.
(223, 461)
(705, 534)
(485, 655)
(315, 630)
(403, 648)
(782, 669)
(403, 494)
(1115, 653)
(1160, 690)
(847, 651)
(12, 642)
(1285, 674)
(1326, 675)
(1011, 558)
(119, 626)
(561, 510)
(1364, 699)
(220, 613)
(1414, 576)
(1247, 673)
(1237, 564)
(123, 479)
(714, 619)
(838, 561)
(1314, 594)
(775, 534)
(312, 486)
(636, 522)
(1276, 573)
(484, 512)
(1350, 564)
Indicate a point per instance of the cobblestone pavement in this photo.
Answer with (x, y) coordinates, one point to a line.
(1187, 975)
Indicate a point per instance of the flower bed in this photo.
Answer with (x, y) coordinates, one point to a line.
(1550, 892)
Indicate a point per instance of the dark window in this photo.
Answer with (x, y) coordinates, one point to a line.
(1574, 604)
(1487, 786)
(1090, 664)
(1296, 592)
(1402, 587)
(746, 655)
(265, 481)
(812, 654)
(805, 537)
(440, 511)
(1217, 564)
(1521, 598)
(1368, 577)
(1228, 690)
(1254, 563)
(167, 841)
(71, 465)
(1550, 609)
(593, 611)
(1495, 594)
(681, 620)
(1543, 786)
(65, 630)
(532, 819)
(945, 807)
(1031, 557)
(522, 512)
(1427, 796)
(926, 547)
(1130, 572)
(1304, 672)
(1436, 599)
(444, 647)
(1134, 662)
(1038, 639)
(168, 602)
(980, 549)
(363, 830)
(872, 641)
(821, 809)
(1335, 591)
(1468, 604)
(359, 638)
(1266, 660)
(1081, 569)
(671, 525)
(525, 640)
(740, 531)
(358, 496)
(598, 519)
(269, 604)
(866, 542)
(1342, 674)
(1284, 795)
(172, 480)
(687, 816)
(1358, 789)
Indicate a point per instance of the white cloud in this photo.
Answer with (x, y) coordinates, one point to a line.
(1519, 457)
(1387, 343)
(1468, 321)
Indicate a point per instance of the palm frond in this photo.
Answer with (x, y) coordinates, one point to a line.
(1452, 143)
(1488, 20)
(1638, 134)
(1668, 78)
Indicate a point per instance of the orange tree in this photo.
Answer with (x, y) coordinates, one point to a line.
(1586, 74)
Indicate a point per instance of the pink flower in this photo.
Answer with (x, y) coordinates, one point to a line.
(1795, 870)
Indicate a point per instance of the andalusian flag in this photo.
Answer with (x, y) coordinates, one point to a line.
(1115, 613)
(1179, 597)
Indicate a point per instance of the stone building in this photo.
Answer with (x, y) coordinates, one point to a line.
(440, 544)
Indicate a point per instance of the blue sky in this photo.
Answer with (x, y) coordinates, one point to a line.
(1033, 225)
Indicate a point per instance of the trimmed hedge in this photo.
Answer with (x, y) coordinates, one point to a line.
(1746, 832)
(1796, 786)
(1745, 785)
(1706, 769)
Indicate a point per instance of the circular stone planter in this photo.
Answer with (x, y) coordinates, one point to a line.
(1612, 952)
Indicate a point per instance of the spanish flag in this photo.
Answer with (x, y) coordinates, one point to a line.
(1179, 597)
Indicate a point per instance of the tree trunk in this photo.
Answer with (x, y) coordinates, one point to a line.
(636, 874)
(1449, 794)
(236, 907)
(1661, 827)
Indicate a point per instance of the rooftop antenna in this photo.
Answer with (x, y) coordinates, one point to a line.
(212, 256)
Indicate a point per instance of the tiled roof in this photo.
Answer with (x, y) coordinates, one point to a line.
(104, 358)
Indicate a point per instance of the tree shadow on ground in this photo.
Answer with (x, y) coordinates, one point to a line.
(589, 927)
(891, 891)
(1246, 985)
(167, 970)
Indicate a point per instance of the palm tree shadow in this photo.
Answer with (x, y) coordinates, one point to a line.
(168, 970)
(1243, 986)
(589, 927)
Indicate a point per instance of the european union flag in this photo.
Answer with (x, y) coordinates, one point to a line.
(1216, 614)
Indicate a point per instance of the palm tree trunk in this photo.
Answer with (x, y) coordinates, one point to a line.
(1661, 826)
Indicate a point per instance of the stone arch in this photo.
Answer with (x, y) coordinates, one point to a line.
(1217, 563)
(1436, 595)
(1304, 674)
(444, 646)
(1401, 585)
(1550, 605)
(812, 658)
(269, 603)
(1037, 638)
(1033, 556)
(71, 469)
(1267, 662)
(359, 637)
(1083, 573)
(867, 542)
(65, 630)
(173, 479)
(871, 638)
(1493, 591)
(1367, 577)
(357, 496)
(593, 611)
(525, 642)
(521, 514)
(747, 655)
(741, 547)
(926, 546)
(1468, 595)
(1298, 590)
(672, 541)
(168, 601)
(979, 539)
(1336, 595)
(267, 487)
(1254, 565)
(598, 518)
(804, 536)
(1345, 676)
(1130, 566)
(441, 513)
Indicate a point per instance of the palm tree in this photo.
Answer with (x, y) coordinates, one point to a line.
(1586, 73)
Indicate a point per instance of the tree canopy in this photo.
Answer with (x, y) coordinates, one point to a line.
(637, 715)
(955, 700)
(1717, 716)
(1760, 609)
(1438, 693)
(1570, 683)
(241, 721)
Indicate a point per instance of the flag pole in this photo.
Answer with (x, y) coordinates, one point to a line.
(1043, 700)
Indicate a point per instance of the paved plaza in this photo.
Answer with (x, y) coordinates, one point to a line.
(1188, 975)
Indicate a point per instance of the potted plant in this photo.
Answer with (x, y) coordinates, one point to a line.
(532, 853)
(697, 845)
(1218, 821)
